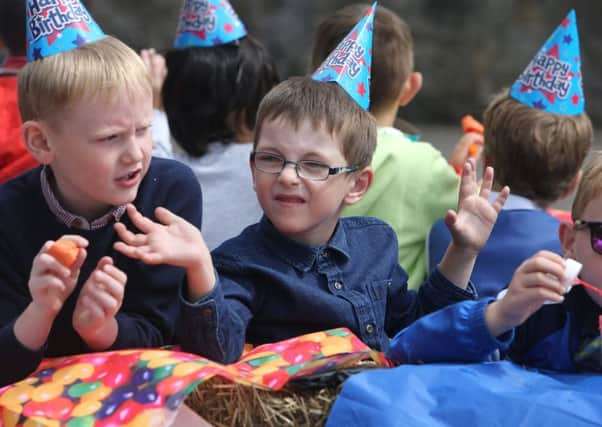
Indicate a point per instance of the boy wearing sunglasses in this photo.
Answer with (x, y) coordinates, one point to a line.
(302, 268)
(554, 330)
(566, 336)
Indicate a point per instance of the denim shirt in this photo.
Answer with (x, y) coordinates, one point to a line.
(271, 288)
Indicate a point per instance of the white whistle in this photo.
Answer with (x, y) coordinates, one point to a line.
(571, 271)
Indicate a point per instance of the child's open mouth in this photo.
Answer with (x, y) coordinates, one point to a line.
(289, 199)
(130, 179)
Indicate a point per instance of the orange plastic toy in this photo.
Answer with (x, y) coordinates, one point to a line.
(65, 251)
(470, 124)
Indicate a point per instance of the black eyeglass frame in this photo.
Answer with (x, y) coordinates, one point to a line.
(331, 171)
(594, 226)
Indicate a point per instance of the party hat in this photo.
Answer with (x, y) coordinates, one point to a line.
(552, 80)
(55, 26)
(207, 23)
(349, 64)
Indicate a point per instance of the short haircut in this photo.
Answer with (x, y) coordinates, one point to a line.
(101, 70)
(392, 50)
(12, 26)
(323, 104)
(536, 153)
(590, 185)
(205, 86)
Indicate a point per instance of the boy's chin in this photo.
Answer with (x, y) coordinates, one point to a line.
(126, 198)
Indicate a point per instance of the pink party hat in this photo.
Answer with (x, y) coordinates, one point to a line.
(552, 80)
(207, 23)
(349, 64)
(55, 26)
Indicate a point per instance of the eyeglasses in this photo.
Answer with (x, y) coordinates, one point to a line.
(595, 230)
(307, 169)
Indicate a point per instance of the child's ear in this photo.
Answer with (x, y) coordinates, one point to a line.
(362, 182)
(566, 233)
(36, 141)
(410, 88)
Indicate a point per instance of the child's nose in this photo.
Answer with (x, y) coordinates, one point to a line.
(289, 173)
(134, 151)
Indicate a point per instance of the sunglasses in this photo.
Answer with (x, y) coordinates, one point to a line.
(595, 233)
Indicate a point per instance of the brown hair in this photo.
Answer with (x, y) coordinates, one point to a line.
(590, 185)
(392, 50)
(98, 70)
(323, 104)
(536, 153)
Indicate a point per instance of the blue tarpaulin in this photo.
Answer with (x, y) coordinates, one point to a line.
(486, 394)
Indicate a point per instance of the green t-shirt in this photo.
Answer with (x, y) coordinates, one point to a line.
(413, 187)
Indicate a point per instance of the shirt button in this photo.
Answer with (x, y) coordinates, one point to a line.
(325, 253)
(369, 328)
(207, 312)
(338, 285)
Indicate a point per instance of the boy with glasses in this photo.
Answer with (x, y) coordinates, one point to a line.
(303, 268)
(414, 185)
(555, 329)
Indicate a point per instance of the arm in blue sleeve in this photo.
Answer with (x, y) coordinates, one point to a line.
(405, 306)
(438, 292)
(17, 360)
(457, 333)
(213, 327)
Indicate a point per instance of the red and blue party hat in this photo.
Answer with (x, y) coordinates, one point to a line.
(552, 81)
(55, 26)
(207, 23)
(349, 64)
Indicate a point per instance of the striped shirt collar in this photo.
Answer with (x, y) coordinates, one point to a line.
(69, 219)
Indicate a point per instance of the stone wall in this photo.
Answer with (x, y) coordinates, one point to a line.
(466, 49)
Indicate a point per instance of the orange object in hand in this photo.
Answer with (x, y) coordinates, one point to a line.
(470, 124)
(65, 251)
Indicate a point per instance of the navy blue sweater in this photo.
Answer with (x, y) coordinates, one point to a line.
(151, 302)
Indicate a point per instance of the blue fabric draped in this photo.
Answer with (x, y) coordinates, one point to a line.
(486, 394)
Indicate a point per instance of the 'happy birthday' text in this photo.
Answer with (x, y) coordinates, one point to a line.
(198, 17)
(49, 16)
(548, 73)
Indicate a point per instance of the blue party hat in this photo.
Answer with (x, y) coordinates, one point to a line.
(349, 64)
(55, 26)
(552, 80)
(207, 23)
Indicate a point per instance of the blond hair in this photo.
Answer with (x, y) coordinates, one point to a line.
(100, 71)
(322, 104)
(590, 185)
(536, 153)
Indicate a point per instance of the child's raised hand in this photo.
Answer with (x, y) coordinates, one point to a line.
(537, 280)
(172, 241)
(99, 301)
(155, 64)
(51, 282)
(471, 225)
